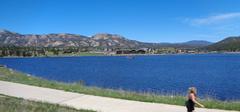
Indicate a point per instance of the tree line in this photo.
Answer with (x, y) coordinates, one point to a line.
(38, 51)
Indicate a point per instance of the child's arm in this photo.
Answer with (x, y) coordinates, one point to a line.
(195, 101)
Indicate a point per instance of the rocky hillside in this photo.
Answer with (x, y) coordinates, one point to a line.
(228, 44)
(98, 40)
(49, 40)
(65, 40)
(113, 40)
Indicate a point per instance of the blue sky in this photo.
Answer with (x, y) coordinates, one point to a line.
(143, 20)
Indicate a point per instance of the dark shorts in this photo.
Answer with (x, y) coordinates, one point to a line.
(190, 105)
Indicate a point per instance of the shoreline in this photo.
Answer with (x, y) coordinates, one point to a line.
(104, 55)
(81, 82)
(78, 87)
(88, 102)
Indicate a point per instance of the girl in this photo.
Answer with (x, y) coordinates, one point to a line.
(192, 96)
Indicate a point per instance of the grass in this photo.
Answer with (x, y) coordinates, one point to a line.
(18, 77)
(13, 104)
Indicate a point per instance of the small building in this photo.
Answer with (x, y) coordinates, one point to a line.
(140, 51)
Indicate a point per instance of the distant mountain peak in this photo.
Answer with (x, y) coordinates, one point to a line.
(105, 36)
(200, 43)
(6, 31)
(232, 38)
(3, 30)
(197, 41)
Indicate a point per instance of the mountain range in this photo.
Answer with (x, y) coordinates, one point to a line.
(103, 40)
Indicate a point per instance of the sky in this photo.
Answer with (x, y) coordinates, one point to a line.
(142, 20)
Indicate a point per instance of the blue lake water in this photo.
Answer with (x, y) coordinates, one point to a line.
(214, 75)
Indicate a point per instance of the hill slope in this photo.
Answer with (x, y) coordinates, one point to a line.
(65, 40)
(99, 40)
(227, 44)
(197, 43)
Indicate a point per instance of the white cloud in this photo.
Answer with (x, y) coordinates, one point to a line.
(214, 19)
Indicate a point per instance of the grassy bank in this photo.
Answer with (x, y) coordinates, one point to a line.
(12, 104)
(13, 76)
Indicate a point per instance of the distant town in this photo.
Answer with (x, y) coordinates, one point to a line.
(72, 51)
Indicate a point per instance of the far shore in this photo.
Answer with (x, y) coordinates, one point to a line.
(101, 55)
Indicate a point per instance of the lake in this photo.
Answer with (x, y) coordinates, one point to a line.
(214, 75)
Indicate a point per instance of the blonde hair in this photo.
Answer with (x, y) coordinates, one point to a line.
(192, 90)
